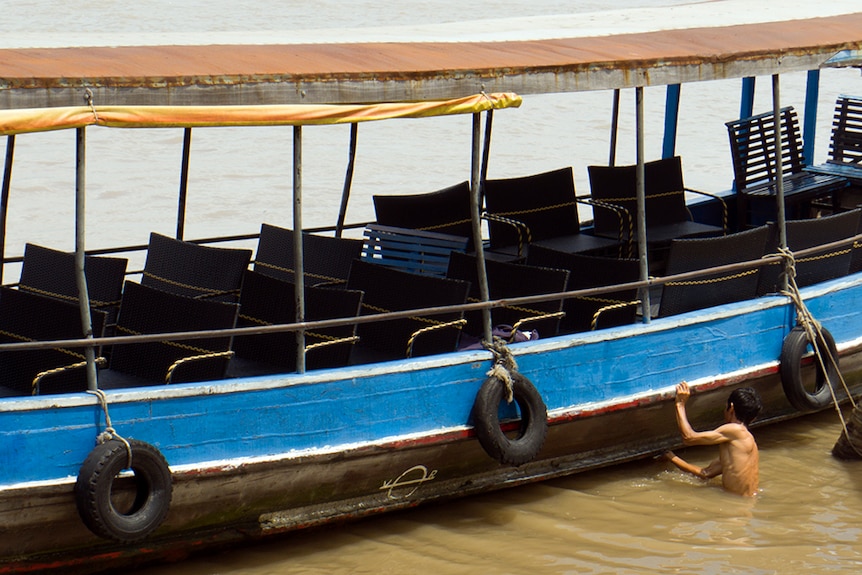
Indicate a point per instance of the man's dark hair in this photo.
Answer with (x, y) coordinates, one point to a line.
(746, 404)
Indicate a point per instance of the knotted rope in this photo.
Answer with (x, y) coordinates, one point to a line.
(110, 432)
(504, 365)
(814, 333)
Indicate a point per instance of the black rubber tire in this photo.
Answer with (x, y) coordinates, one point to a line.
(96, 480)
(534, 421)
(794, 347)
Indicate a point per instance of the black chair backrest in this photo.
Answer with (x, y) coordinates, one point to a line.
(445, 211)
(325, 259)
(146, 310)
(508, 280)
(544, 202)
(700, 253)
(30, 317)
(663, 187)
(588, 271)
(845, 146)
(753, 147)
(270, 301)
(388, 289)
(194, 270)
(51, 273)
(802, 234)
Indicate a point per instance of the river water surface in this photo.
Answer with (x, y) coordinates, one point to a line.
(636, 518)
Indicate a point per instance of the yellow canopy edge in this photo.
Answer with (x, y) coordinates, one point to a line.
(44, 119)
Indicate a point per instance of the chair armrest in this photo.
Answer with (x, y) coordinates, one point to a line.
(457, 324)
(626, 222)
(100, 362)
(595, 321)
(715, 197)
(520, 322)
(329, 340)
(170, 373)
(520, 227)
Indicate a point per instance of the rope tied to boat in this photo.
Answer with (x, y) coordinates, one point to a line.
(88, 96)
(110, 433)
(813, 328)
(504, 365)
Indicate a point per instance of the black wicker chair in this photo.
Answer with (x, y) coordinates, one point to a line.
(266, 300)
(509, 280)
(51, 273)
(445, 211)
(147, 310)
(667, 216)
(692, 254)
(388, 289)
(539, 209)
(802, 234)
(754, 155)
(30, 317)
(588, 271)
(326, 259)
(193, 270)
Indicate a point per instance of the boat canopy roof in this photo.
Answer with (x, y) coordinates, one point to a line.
(42, 119)
(376, 72)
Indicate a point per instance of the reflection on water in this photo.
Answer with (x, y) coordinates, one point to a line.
(643, 517)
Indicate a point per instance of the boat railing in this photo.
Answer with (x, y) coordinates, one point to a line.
(651, 282)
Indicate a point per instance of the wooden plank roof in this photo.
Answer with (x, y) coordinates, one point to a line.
(398, 71)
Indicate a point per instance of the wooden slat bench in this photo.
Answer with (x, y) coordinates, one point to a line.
(845, 146)
(411, 250)
(753, 150)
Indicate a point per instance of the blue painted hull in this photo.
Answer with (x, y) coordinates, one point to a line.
(270, 454)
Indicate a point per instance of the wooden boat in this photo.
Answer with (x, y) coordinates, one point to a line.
(250, 454)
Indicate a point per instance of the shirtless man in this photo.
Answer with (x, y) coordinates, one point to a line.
(737, 461)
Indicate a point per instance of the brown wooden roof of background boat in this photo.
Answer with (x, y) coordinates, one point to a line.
(377, 72)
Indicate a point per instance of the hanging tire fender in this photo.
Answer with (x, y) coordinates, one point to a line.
(148, 492)
(790, 369)
(534, 421)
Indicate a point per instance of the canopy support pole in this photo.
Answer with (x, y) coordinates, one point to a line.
(671, 120)
(348, 180)
(779, 170)
(809, 128)
(4, 199)
(184, 183)
(615, 124)
(641, 202)
(80, 251)
(486, 152)
(298, 265)
(475, 217)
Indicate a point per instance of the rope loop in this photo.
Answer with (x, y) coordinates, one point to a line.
(504, 365)
(110, 433)
(812, 329)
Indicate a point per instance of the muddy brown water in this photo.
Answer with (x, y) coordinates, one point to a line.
(643, 517)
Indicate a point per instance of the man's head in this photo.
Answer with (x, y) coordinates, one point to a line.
(745, 403)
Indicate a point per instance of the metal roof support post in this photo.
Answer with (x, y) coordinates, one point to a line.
(80, 251)
(641, 201)
(184, 183)
(615, 124)
(779, 170)
(746, 100)
(4, 199)
(298, 265)
(486, 152)
(809, 127)
(475, 217)
(671, 120)
(348, 179)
